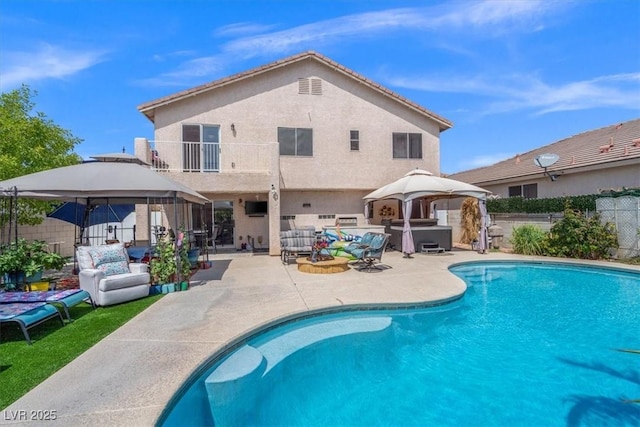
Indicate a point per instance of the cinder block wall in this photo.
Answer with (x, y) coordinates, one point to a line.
(51, 231)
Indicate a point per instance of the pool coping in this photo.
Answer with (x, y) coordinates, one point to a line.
(181, 331)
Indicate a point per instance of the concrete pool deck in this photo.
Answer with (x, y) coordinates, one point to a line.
(129, 377)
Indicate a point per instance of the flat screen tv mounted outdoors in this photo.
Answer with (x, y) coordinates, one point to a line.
(255, 208)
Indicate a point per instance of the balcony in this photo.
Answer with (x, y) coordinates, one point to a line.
(207, 157)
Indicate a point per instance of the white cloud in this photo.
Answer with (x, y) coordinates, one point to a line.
(529, 92)
(178, 53)
(241, 29)
(486, 16)
(45, 62)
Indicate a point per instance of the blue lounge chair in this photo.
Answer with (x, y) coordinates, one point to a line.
(64, 299)
(27, 315)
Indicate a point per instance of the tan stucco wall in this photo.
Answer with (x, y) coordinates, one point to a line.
(573, 184)
(258, 106)
(333, 180)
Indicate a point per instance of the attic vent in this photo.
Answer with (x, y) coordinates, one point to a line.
(310, 86)
(316, 87)
(303, 86)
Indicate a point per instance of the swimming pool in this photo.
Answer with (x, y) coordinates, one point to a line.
(528, 344)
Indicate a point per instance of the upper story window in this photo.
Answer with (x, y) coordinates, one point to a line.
(200, 148)
(354, 137)
(295, 141)
(528, 191)
(407, 145)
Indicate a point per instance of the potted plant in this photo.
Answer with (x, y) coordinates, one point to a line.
(22, 261)
(163, 264)
(185, 264)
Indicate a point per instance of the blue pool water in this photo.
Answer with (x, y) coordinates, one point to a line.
(528, 344)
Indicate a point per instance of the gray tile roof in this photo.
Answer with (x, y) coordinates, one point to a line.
(148, 108)
(604, 147)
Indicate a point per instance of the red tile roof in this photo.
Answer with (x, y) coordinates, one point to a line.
(604, 147)
(148, 108)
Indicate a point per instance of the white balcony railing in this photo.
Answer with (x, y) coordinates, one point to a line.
(207, 157)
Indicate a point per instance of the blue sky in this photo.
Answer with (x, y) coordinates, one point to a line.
(511, 75)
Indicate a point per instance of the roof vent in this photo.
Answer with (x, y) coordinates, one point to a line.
(607, 148)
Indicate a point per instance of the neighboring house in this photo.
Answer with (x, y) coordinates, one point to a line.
(588, 163)
(297, 142)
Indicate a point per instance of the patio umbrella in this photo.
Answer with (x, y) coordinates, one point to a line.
(75, 213)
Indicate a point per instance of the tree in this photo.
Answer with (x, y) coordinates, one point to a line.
(30, 142)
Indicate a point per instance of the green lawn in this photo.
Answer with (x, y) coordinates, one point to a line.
(24, 366)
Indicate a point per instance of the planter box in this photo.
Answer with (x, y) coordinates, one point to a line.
(193, 255)
(37, 277)
(155, 289)
(168, 288)
(184, 286)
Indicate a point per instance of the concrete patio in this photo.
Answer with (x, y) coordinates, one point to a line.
(129, 377)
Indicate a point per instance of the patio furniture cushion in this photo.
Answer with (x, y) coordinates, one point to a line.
(120, 281)
(67, 298)
(110, 259)
(296, 242)
(369, 254)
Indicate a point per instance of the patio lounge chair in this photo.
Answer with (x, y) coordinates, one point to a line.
(370, 254)
(64, 299)
(27, 315)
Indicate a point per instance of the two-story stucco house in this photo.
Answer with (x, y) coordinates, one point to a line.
(296, 142)
(588, 163)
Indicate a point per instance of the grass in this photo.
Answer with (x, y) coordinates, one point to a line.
(24, 366)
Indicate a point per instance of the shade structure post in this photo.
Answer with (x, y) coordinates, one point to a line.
(408, 247)
(366, 213)
(483, 240)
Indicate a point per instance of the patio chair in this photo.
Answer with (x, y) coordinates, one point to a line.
(27, 315)
(108, 277)
(370, 255)
(64, 299)
(365, 240)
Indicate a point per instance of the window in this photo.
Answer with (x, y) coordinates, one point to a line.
(200, 148)
(407, 145)
(528, 191)
(355, 140)
(295, 141)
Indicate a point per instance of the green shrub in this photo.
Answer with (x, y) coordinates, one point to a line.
(528, 239)
(576, 236)
(550, 205)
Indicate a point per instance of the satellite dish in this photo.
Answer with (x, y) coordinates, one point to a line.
(546, 160)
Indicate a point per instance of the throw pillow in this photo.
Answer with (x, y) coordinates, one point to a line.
(111, 259)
